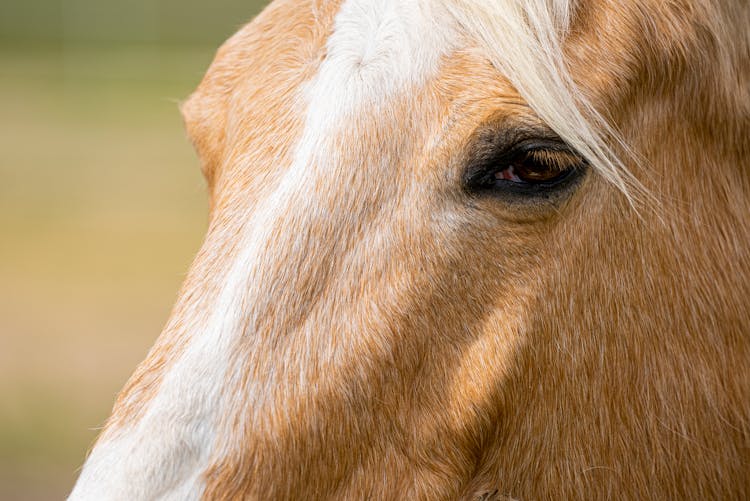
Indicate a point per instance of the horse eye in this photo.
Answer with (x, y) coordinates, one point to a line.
(538, 166)
(527, 169)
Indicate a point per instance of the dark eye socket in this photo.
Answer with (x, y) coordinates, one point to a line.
(534, 167)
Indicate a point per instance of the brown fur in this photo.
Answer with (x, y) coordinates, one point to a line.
(460, 348)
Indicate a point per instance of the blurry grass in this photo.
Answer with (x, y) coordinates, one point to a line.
(101, 209)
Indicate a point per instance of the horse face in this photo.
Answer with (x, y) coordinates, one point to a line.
(376, 273)
(417, 284)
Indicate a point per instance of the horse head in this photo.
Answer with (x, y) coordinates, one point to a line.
(459, 249)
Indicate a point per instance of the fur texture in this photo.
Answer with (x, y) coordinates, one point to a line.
(357, 325)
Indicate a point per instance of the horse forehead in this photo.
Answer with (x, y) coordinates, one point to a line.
(307, 74)
(374, 51)
(378, 47)
(377, 51)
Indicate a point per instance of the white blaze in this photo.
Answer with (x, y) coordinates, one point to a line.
(378, 49)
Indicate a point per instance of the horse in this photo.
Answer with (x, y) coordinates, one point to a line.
(458, 249)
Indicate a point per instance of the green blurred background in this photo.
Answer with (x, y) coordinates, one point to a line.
(102, 207)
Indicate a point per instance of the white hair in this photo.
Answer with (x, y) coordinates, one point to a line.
(524, 40)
